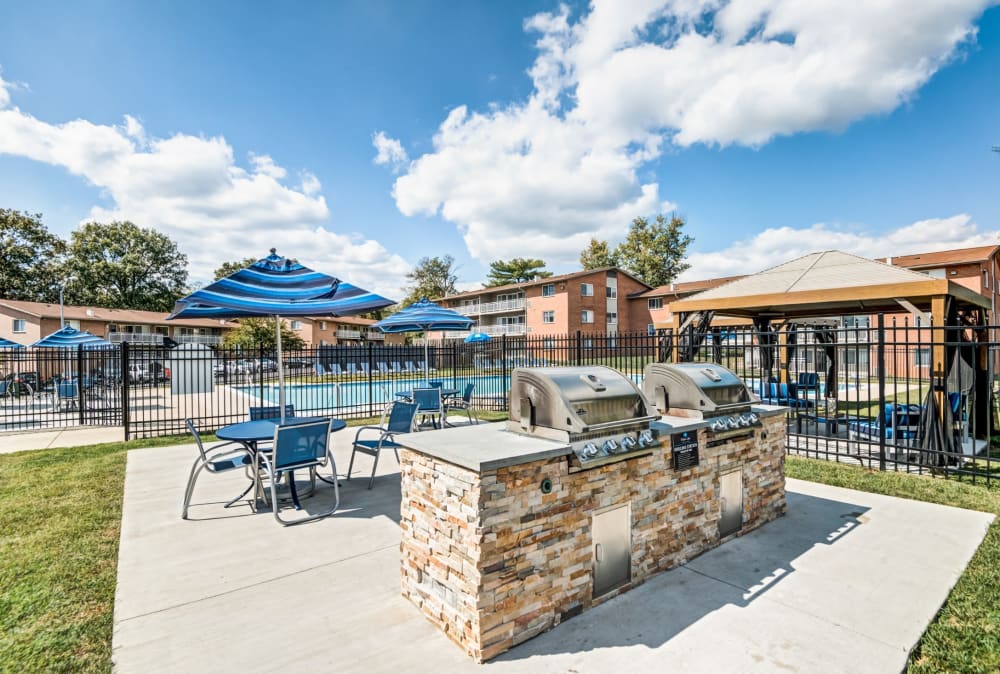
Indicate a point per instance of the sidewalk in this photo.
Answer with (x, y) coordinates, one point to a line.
(59, 437)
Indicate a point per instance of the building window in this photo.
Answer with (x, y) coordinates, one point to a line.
(612, 342)
(588, 343)
(855, 322)
(549, 290)
(322, 325)
(935, 273)
(587, 289)
(650, 329)
(986, 279)
(548, 343)
(296, 325)
(655, 303)
(73, 324)
(922, 357)
(587, 316)
(612, 318)
(612, 292)
(20, 325)
(548, 317)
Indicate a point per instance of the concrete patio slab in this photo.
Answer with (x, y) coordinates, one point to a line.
(68, 437)
(847, 581)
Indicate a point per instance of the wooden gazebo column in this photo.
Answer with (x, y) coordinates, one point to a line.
(939, 314)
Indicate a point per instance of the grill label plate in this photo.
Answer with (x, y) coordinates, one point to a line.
(684, 448)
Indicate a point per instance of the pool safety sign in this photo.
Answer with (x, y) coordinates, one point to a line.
(684, 447)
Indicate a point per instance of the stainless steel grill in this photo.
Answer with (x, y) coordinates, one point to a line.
(704, 391)
(598, 411)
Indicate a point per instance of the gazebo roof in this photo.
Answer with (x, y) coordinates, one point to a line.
(824, 284)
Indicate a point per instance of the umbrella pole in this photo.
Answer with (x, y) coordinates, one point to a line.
(281, 368)
(427, 361)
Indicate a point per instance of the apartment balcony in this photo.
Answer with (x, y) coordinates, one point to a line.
(156, 339)
(207, 340)
(491, 307)
(498, 330)
(370, 335)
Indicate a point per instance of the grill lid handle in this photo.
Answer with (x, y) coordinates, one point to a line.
(711, 374)
(593, 381)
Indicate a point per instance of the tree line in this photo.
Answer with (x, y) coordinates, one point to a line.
(653, 252)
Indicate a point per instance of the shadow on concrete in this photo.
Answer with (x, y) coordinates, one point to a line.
(736, 573)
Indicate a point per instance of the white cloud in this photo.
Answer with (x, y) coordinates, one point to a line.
(390, 151)
(777, 245)
(192, 189)
(615, 87)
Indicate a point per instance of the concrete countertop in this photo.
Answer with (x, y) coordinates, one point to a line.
(672, 424)
(482, 447)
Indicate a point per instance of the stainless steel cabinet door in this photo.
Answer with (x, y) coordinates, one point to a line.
(731, 493)
(611, 532)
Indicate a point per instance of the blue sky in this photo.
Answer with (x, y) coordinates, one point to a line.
(504, 128)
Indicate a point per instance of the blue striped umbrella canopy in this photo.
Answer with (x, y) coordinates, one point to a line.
(7, 344)
(276, 286)
(424, 316)
(69, 337)
(477, 338)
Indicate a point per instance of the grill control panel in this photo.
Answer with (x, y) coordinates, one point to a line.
(734, 422)
(599, 451)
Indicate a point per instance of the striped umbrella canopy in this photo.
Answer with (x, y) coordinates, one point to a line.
(477, 338)
(424, 316)
(276, 286)
(7, 344)
(69, 337)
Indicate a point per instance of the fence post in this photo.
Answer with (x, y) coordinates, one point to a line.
(881, 392)
(503, 360)
(79, 384)
(579, 348)
(123, 382)
(260, 373)
(371, 406)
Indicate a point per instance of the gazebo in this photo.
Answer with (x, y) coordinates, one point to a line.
(833, 284)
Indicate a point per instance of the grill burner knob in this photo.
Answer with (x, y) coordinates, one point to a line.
(646, 439)
(753, 418)
(734, 422)
(589, 450)
(628, 443)
(719, 425)
(745, 420)
(611, 447)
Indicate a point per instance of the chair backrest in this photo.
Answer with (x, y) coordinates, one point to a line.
(467, 393)
(271, 412)
(319, 369)
(197, 438)
(427, 399)
(364, 367)
(67, 389)
(401, 417)
(336, 369)
(436, 383)
(300, 445)
(382, 367)
(352, 368)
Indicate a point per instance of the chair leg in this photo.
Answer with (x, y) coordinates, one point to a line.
(245, 492)
(350, 466)
(189, 489)
(371, 480)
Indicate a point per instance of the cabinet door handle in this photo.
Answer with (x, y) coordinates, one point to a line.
(599, 552)
(724, 502)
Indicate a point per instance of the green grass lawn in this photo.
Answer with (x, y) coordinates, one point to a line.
(965, 636)
(60, 514)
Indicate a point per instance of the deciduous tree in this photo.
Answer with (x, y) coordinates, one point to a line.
(254, 333)
(432, 277)
(29, 258)
(597, 255)
(518, 270)
(227, 268)
(123, 266)
(654, 252)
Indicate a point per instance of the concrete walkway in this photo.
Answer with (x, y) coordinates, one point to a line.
(846, 582)
(59, 437)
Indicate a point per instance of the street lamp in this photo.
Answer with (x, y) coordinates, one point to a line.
(62, 286)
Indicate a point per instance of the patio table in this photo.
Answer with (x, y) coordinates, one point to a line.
(249, 433)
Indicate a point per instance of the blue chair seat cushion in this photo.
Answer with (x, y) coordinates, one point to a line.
(230, 462)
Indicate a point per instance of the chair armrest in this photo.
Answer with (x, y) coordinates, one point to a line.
(366, 428)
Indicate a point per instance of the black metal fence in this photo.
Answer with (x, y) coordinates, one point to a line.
(891, 395)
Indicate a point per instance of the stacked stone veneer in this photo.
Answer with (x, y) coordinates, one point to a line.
(492, 561)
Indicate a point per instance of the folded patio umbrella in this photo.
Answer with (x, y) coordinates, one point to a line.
(424, 316)
(276, 286)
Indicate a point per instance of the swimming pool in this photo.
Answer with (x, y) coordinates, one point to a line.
(364, 394)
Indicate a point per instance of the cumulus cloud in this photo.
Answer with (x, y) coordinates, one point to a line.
(390, 151)
(193, 189)
(781, 244)
(618, 86)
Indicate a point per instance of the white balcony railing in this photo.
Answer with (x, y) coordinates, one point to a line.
(344, 333)
(210, 340)
(497, 330)
(157, 339)
(491, 307)
(371, 335)
(376, 336)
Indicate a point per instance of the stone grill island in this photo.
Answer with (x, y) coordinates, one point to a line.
(505, 534)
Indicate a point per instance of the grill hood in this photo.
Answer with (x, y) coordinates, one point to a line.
(703, 387)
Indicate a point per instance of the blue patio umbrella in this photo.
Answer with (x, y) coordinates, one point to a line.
(69, 337)
(7, 344)
(276, 286)
(424, 316)
(477, 338)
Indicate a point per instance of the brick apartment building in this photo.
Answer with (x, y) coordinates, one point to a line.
(595, 300)
(658, 300)
(339, 331)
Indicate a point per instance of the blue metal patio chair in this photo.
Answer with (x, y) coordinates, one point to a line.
(365, 369)
(319, 369)
(271, 412)
(428, 401)
(408, 366)
(396, 366)
(234, 456)
(352, 369)
(67, 395)
(462, 403)
(336, 370)
(396, 420)
(297, 447)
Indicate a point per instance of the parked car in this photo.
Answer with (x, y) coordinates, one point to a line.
(111, 374)
(159, 372)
